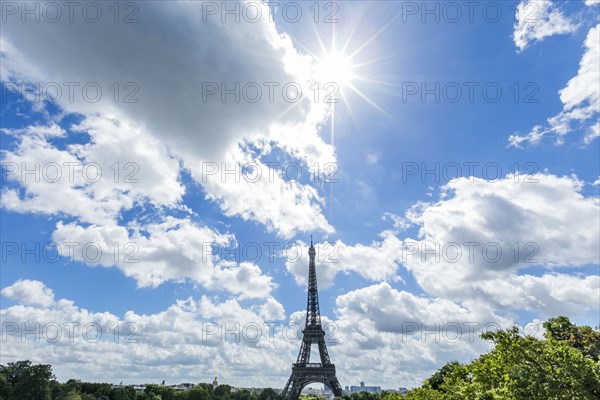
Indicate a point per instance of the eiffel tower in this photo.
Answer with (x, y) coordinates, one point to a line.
(303, 371)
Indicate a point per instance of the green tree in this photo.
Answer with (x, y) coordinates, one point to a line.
(424, 394)
(198, 392)
(583, 338)
(148, 396)
(96, 389)
(70, 390)
(525, 368)
(222, 392)
(72, 385)
(559, 328)
(26, 381)
(437, 379)
(123, 393)
(208, 386)
(5, 386)
(70, 396)
(364, 396)
(165, 393)
(268, 394)
(244, 394)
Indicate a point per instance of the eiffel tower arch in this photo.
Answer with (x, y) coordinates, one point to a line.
(303, 371)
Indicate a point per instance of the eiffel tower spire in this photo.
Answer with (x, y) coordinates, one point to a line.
(303, 371)
(313, 314)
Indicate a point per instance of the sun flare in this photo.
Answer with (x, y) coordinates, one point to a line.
(343, 71)
(334, 68)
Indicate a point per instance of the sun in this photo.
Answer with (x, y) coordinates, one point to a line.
(343, 71)
(334, 67)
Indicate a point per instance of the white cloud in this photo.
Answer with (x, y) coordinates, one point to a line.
(395, 311)
(550, 222)
(30, 293)
(174, 249)
(170, 344)
(380, 326)
(376, 262)
(363, 340)
(169, 69)
(538, 19)
(399, 222)
(580, 98)
(266, 196)
(272, 310)
(551, 293)
(171, 74)
(94, 182)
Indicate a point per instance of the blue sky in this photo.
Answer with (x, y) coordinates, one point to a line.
(533, 150)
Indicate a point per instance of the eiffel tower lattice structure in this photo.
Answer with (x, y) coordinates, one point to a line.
(303, 371)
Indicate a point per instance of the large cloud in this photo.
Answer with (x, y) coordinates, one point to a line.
(169, 53)
(388, 335)
(548, 220)
(187, 342)
(93, 182)
(170, 57)
(174, 249)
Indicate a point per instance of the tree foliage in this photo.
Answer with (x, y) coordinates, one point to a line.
(23, 380)
(582, 338)
(565, 366)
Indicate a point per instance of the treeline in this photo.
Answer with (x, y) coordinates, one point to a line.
(565, 365)
(24, 381)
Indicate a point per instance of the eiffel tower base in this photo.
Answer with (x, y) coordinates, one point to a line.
(305, 374)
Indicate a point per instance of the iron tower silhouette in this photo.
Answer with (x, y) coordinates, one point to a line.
(303, 371)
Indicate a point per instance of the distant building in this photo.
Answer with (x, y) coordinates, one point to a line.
(363, 388)
(313, 391)
(181, 387)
